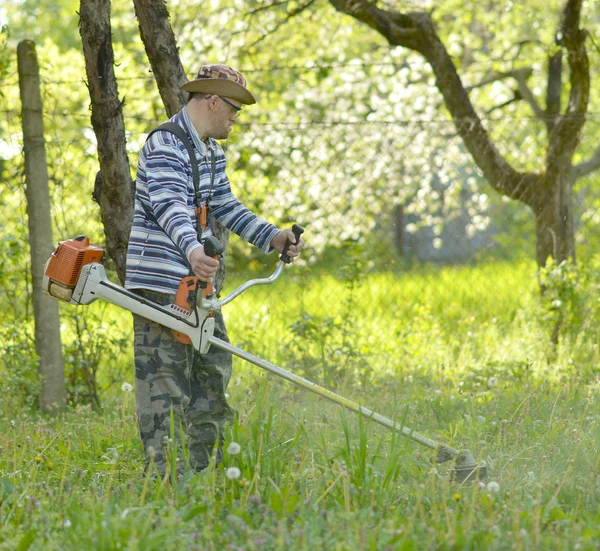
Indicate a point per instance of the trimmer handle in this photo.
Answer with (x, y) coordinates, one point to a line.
(212, 247)
(297, 231)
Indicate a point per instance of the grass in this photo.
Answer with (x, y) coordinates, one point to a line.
(459, 354)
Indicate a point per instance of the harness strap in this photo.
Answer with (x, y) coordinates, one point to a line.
(201, 210)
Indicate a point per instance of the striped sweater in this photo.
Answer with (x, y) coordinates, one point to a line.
(164, 184)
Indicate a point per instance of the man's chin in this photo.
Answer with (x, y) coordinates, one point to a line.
(222, 135)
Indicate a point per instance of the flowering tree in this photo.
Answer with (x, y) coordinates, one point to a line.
(548, 192)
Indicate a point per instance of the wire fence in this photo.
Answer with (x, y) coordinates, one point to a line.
(377, 195)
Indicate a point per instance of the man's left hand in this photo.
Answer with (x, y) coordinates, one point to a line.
(278, 243)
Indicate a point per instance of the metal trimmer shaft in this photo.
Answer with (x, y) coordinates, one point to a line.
(445, 453)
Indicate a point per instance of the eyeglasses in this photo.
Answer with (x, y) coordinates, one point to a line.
(238, 109)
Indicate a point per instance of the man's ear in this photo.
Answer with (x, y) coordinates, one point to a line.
(212, 102)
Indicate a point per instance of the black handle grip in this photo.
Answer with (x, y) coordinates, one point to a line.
(297, 231)
(212, 247)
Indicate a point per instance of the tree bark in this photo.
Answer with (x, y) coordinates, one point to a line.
(163, 54)
(548, 194)
(53, 393)
(161, 49)
(554, 212)
(114, 189)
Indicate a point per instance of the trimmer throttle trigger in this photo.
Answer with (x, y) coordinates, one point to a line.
(186, 293)
(297, 231)
(188, 286)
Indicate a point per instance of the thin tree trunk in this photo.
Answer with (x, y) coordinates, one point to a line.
(113, 188)
(53, 393)
(399, 229)
(161, 49)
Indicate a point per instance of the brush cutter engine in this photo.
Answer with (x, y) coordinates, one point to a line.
(63, 269)
(75, 274)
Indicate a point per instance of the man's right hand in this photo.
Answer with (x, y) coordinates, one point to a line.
(203, 266)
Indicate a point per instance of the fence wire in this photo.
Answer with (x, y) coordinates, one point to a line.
(376, 196)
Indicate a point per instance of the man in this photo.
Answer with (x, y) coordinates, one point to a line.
(172, 379)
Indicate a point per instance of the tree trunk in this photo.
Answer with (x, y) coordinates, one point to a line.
(114, 189)
(161, 49)
(398, 224)
(554, 222)
(53, 394)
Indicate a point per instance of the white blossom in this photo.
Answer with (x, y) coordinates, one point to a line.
(126, 387)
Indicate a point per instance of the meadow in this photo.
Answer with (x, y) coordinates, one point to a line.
(461, 354)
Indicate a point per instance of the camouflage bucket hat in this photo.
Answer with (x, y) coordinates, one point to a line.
(222, 81)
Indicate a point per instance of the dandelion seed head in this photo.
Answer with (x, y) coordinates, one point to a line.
(493, 487)
(234, 448)
(233, 473)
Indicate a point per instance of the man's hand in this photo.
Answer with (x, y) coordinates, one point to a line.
(203, 266)
(278, 243)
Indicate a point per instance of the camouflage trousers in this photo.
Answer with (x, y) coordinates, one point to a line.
(176, 382)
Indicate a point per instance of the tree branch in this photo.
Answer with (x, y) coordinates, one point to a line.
(517, 97)
(566, 132)
(289, 15)
(521, 76)
(398, 28)
(589, 166)
(496, 76)
(267, 7)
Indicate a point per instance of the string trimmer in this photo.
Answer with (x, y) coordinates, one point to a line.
(75, 274)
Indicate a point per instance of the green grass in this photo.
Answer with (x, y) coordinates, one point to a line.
(459, 354)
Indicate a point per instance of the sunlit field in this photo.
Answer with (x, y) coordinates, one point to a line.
(462, 355)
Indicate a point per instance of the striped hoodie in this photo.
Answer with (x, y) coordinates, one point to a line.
(164, 184)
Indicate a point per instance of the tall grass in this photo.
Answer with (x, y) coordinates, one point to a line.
(438, 351)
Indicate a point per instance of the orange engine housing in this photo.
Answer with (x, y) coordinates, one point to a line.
(69, 257)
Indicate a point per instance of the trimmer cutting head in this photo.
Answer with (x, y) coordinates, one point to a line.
(466, 469)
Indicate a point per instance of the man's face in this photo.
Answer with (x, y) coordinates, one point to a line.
(224, 117)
